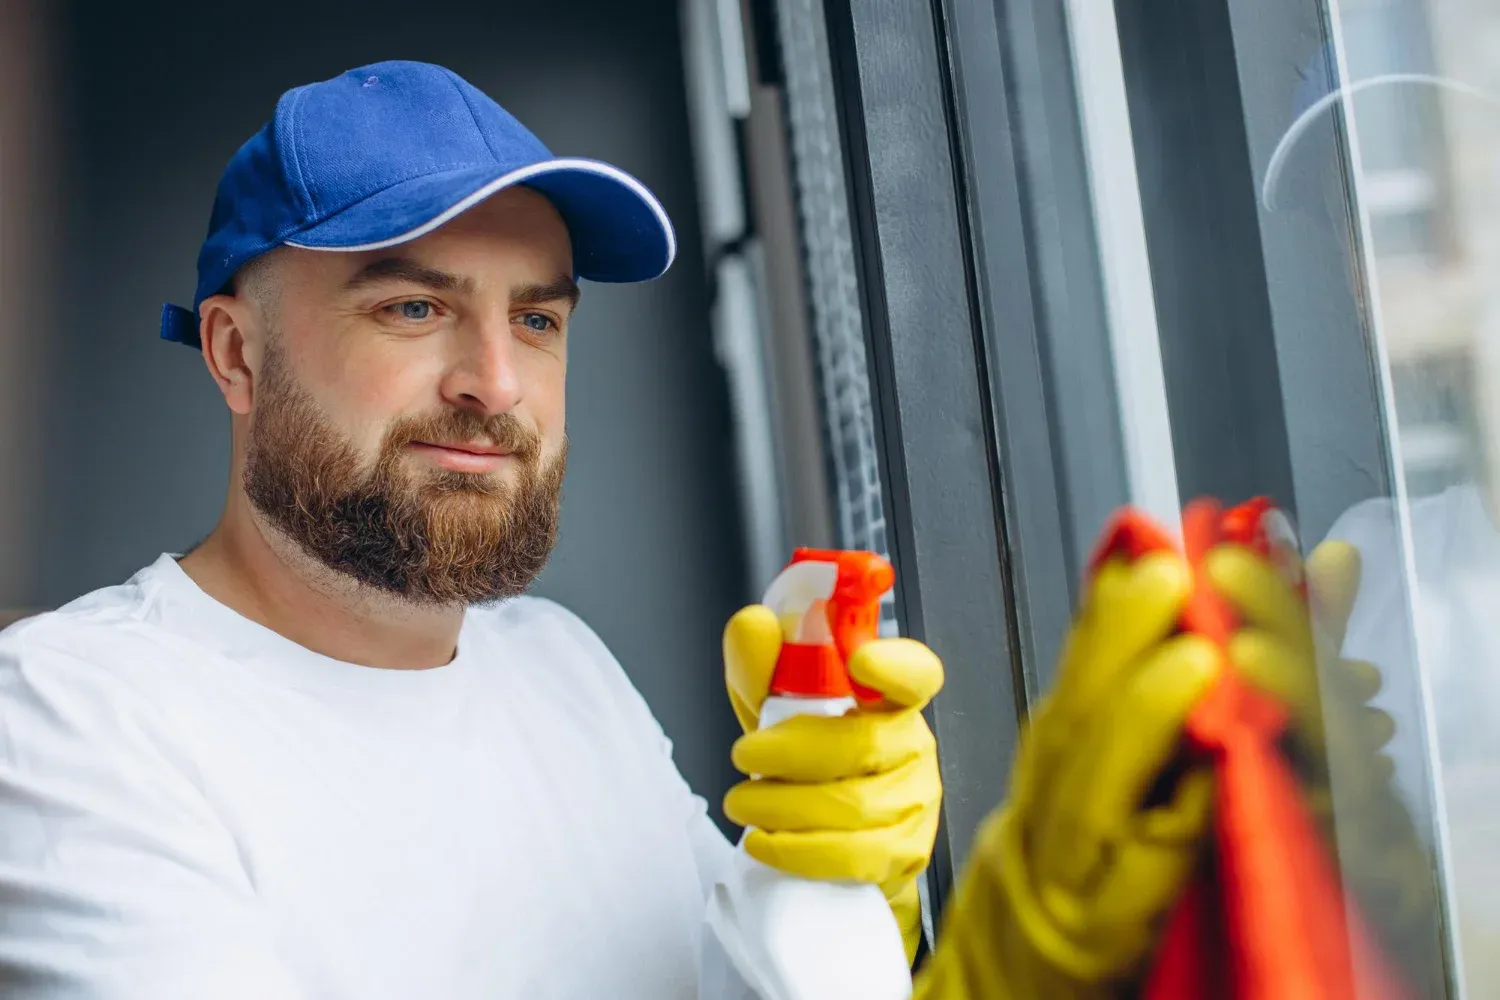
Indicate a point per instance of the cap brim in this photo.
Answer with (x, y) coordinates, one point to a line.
(620, 232)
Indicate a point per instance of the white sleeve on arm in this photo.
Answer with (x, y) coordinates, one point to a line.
(712, 852)
(117, 882)
(718, 979)
(713, 855)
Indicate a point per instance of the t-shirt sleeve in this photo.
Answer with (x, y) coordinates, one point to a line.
(116, 880)
(713, 854)
(711, 850)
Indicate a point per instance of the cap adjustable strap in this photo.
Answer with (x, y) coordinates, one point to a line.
(179, 325)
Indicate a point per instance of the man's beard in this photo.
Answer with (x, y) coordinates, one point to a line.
(440, 538)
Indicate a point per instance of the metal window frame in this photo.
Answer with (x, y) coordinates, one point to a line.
(978, 268)
(1044, 314)
(984, 312)
(941, 492)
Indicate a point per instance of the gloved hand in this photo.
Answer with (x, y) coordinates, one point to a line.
(1068, 883)
(1291, 647)
(850, 798)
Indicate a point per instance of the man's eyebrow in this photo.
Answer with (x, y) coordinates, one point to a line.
(405, 269)
(562, 288)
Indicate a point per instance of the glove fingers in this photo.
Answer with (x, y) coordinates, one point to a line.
(877, 855)
(1363, 679)
(1114, 916)
(1144, 883)
(1259, 594)
(1265, 661)
(1182, 820)
(1376, 727)
(851, 804)
(1100, 794)
(1333, 571)
(807, 748)
(1273, 668)
(904, 670)
(1128, 608)
(752, 641)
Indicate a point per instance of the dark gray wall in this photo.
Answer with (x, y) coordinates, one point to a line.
(157, 95)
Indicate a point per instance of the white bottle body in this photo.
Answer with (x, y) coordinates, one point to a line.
(799, 939)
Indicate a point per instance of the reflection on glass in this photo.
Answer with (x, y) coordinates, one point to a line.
(1424, 170)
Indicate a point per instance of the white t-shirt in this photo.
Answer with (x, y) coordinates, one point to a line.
(192, 807)
(1453, 641)
(1453, 637)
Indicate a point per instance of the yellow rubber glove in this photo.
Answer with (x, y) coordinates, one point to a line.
(851, 798)
(1291, 648)
(1068, 883)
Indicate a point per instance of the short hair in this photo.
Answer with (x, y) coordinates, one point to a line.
(255, 282)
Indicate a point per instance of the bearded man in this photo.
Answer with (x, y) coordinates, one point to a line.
(334, 752)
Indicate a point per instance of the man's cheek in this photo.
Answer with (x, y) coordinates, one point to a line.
(552, 423)
(377, 441)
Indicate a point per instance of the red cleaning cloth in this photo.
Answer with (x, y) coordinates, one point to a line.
(1267, 918)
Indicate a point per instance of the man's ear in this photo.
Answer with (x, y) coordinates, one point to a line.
(232, 337)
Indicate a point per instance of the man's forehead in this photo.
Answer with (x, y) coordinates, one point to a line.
(539, 283)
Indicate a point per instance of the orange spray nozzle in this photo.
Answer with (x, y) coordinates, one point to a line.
(852, 609)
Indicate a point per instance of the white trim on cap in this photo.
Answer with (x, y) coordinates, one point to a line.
(516, 177)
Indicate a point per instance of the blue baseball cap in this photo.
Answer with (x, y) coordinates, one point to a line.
(388, 152)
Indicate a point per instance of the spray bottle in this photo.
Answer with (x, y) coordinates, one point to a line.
(793, 938)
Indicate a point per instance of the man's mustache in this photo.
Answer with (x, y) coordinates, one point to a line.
(505, 431)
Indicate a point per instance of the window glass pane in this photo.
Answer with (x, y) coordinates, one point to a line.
(1418, 174)
(1320, 193)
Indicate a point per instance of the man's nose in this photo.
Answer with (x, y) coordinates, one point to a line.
(484, 376)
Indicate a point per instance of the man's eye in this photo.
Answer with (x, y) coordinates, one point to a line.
(414, 311)
(538, 322)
